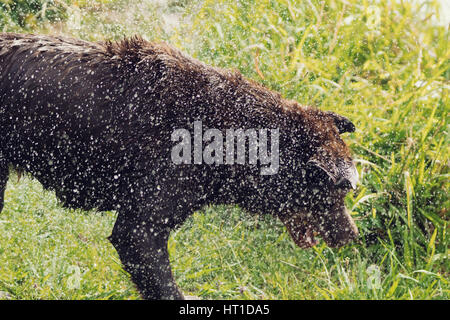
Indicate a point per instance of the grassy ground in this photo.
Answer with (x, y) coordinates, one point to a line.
(382, 64)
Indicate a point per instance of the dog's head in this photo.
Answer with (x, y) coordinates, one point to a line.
(319, 173)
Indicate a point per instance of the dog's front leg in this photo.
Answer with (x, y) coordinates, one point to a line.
(142, 248)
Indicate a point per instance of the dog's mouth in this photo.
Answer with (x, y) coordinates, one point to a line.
(340, 231)
(305, 240)
(302, 233)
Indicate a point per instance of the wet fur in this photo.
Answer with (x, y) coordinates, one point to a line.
(93, 121)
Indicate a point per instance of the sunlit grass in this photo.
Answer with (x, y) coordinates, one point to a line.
(381, 64)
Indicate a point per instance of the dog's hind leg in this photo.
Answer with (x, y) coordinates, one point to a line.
(142, 247)
(4, 172)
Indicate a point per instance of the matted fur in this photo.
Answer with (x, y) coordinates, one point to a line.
(93, 121)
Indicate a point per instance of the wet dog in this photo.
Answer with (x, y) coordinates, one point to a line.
(94, 123)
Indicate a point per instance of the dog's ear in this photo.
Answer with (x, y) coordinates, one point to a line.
(342, 123)
(339, 170)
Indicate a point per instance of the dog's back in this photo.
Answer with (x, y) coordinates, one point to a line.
(58, 119)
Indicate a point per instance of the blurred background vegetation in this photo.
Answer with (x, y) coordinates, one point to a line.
(383, 64)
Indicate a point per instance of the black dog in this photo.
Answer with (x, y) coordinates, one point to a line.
(93, 122)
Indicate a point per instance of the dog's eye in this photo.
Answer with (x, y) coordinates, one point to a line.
(344, 184)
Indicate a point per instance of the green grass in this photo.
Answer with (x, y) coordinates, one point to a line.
(383, 65)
